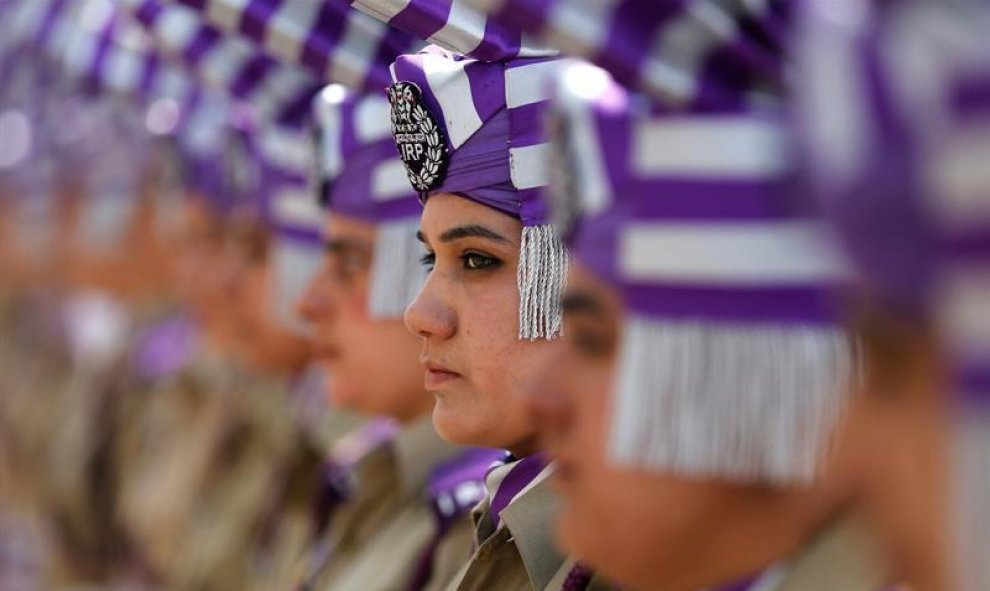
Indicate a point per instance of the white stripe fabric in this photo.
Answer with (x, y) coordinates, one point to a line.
(963, 306)
(525, 85)
(389, 181)
(372, 120)
(729, 253)
(960, 175)
(296, 206)
(361, 38)
(330, 161)
(712, 147)
(226, 15)
(450, 86)
(289, 150)
(295, 32)
(464, 30)
(530, 166)
(583, 23)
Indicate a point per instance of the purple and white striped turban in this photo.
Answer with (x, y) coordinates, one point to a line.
(896, 113)
(732, 362)
(481, 126)
(279, 91)
(363, 177)
(334, 42)
(456, 27)
(708, 54)
(110, 54)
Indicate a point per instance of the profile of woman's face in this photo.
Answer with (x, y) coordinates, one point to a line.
(373, 362)
(467, 315)
(259, 339)
(638, 527)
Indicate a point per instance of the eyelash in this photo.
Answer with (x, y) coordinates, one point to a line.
(429, 260)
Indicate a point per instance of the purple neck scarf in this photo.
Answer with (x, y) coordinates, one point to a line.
(520, 475)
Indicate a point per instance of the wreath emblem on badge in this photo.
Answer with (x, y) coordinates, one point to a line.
(418, 137)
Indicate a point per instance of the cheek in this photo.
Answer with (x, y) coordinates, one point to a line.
(379, 364)
(488, 326)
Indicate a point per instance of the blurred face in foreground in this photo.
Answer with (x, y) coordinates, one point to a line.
(639, 527)
(372, 362)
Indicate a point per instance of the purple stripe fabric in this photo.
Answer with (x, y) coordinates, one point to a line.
(427, 19)
(521, 474)
(259, 78)
(623, 40)
(816, 305)
(321, 37)
(326, 32)
(256, 14)
(422, 18)
(528, 125)
(973, 383)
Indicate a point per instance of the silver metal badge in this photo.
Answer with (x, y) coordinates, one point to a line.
(418, 137)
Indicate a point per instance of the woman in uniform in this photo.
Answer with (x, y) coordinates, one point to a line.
(394, 507)
(469, 135)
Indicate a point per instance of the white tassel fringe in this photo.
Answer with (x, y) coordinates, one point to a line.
(396, 272)
(736, 402)
(542, 276)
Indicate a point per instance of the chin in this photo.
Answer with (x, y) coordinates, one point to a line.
(454, 427)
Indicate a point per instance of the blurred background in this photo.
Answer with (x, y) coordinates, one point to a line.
(159, 420)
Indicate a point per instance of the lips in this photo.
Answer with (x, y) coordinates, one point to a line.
(438, 375)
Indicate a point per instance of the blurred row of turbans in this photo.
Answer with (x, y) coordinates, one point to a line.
(158, 419)
(159, 221)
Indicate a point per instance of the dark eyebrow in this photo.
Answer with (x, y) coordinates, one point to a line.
(471, 231)
(580, 302)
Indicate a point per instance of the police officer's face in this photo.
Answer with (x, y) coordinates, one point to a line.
(639, 527)
(258, 339)
(467, 314)
(373, 362)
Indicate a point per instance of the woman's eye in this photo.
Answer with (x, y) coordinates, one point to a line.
(474, 261)
(428, 260)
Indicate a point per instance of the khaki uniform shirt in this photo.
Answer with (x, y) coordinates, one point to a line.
(843, 557)
(520, 554)
(377, 539)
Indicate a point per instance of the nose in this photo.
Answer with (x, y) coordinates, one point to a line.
(429, 315)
